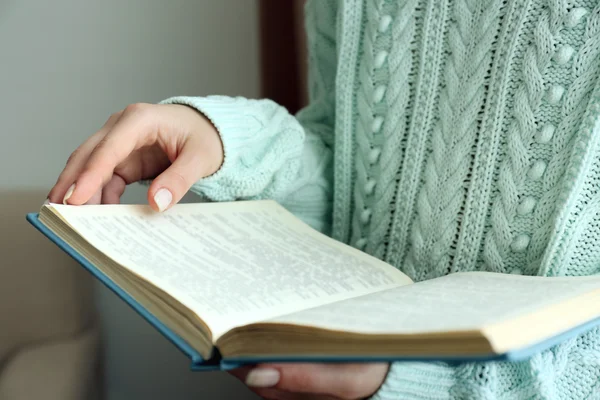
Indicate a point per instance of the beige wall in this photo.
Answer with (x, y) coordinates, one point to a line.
(65, 65)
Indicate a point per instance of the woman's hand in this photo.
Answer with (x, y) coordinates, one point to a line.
(313, 381)
(173, 143)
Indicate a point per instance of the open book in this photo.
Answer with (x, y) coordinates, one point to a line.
(241, 282)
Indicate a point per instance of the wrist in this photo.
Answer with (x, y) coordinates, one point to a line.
(212, 141)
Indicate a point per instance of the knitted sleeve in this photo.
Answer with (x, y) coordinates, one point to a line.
(270, 154)
(570, 370)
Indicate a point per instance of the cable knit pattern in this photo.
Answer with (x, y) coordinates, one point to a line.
(398, 95)
(379, 140)
(365, 125)
(431, 51)
(461, 100)
(584, 73)
(513, 170)
(441, 136)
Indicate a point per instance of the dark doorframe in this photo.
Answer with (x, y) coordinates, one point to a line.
(282, 52)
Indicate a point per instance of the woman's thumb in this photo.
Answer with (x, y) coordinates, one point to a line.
(173, 183)
(162, 199)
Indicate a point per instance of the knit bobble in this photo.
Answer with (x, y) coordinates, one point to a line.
(374, 155)
(575, 16)
(380, 58)
(378, 94)
(516, 271)
(384, 23)
(365, 216)
(564, 54)
(526, 206)
(555, 93)
(545, 134)
(520, 243)
(377, 122)
(537, 170)
(361, 243)
(369, 186)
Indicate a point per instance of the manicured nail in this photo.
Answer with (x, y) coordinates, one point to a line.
(163, 199)
(262, 378)
(69, 193)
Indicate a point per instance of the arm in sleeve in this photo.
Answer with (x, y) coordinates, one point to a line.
(570, 370)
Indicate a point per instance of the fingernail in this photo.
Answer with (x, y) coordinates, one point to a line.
(262, 377)
(68, 194)
(163, 199)
(47, 201)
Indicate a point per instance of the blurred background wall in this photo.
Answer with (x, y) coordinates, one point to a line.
(65, 66)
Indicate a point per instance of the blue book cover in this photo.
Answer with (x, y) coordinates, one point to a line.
(216, 362)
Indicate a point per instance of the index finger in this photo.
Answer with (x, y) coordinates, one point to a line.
(77, 161)
(131, 132)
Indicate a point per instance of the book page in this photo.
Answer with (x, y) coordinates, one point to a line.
(462, 301)
(231, 263)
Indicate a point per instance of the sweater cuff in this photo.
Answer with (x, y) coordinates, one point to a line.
(408, 380)
(235, 127)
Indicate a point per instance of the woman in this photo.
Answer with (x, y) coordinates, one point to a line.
(441, 136)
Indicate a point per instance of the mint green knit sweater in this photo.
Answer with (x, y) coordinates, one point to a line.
(441, 136)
